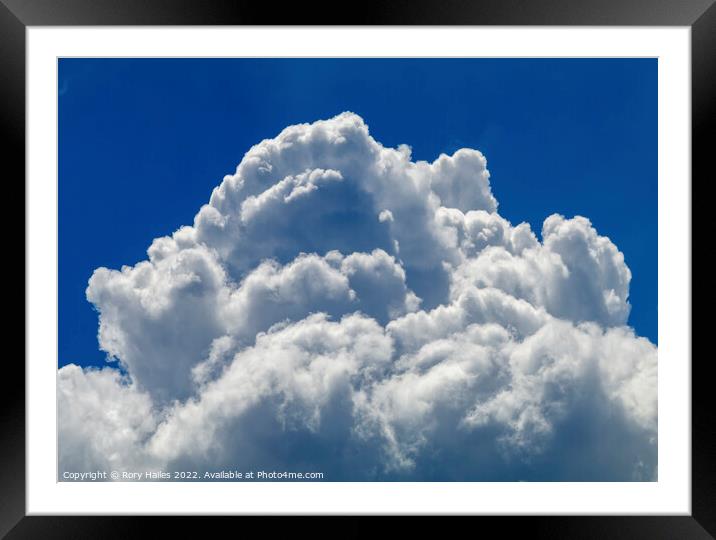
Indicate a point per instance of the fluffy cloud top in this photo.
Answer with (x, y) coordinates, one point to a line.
(339, 307)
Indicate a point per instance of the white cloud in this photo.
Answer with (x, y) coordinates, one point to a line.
(300, 368)
(575, 274)
(339, 307)
(104, 420)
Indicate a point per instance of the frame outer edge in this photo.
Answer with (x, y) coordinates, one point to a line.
(385, 12)
(703, 114)
(12, 399)
(12, 98)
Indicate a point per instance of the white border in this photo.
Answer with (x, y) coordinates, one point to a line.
(670, 495)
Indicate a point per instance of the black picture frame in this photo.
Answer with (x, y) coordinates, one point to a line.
(16, 15)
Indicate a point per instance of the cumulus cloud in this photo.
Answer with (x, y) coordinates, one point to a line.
(339, 307)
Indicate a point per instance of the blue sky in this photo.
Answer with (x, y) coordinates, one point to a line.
(143, 142)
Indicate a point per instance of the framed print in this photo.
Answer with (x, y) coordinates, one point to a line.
(422, 262)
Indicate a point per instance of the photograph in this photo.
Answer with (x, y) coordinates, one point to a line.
(357, 269)
(429, 260)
